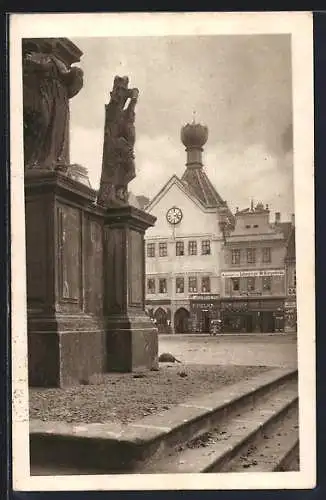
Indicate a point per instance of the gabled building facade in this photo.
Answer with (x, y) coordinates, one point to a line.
(185, 247)
(253, 278)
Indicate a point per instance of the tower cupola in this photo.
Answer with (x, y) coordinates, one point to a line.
(194, 136)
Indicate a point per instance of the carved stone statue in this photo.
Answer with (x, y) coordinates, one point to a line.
(48, 84)
(118, 167)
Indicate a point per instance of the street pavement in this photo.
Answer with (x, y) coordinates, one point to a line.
(279, 350)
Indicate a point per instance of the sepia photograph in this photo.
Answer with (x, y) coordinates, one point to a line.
(162, 251)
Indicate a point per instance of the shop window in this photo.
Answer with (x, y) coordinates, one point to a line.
(236, 256)
(251, 255)
(150, 285)
(163, 249)
(179, 248)
(162, 285)
(150, 249)
(267, 283)
(180, 285)
(192, 247)
(205, 247)
(267, 257)
(192, 284)
(206, 284)
(250, 284)
(235, 284)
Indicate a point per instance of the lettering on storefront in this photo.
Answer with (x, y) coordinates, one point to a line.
(290, 305)
(235, 306)
(205, 297)
(253, 274)
(264, 305)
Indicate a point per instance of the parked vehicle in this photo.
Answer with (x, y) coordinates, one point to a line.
(216, 326)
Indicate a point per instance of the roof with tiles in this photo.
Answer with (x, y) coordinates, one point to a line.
(197, 182)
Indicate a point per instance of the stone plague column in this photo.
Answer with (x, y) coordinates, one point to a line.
(85, 260)
(132, 341)
(66, 341)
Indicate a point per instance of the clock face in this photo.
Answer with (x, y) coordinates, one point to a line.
(174, 215)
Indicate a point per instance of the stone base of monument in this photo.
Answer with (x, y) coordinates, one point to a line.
(64, 350)
(85, 284)
(132, 344)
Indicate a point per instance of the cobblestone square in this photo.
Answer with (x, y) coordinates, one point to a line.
(250, 350)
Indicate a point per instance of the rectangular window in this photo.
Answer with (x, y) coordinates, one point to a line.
(192, 248)
(205, 247)
(235, 284)
(192, 284)
(179, 248)
(266, 255)
(180, 285)
(267, 283)
(294, 278)
(150, 285)
(236, 256)
(251, 255)
(250, 284)
(162, 285)
(206, 284)
(163, 249)
(150, 249)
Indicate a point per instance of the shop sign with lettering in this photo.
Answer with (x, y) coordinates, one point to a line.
(204, 297)
(253, 274)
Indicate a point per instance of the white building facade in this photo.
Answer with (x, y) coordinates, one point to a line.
(184, 250)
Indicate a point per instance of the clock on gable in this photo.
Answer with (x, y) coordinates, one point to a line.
(174, 215)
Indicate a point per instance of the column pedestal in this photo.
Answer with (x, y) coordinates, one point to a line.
(131, 338)
(66, 340)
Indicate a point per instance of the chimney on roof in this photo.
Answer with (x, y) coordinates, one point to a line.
(293, 219)
(277, 217)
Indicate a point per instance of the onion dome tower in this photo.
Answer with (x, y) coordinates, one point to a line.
(194, 136)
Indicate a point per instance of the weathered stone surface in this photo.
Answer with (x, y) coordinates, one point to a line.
(132, 341)
(85, 260)
(66, 340)
(118, 166)
(49, 81)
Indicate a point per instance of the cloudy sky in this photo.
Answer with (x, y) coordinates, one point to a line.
(239, 86)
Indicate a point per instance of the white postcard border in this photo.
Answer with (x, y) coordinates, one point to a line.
(299, 25)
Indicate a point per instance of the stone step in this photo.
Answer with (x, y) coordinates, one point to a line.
(112, 448)
(229, 446)
(272, 450)
(291, 459)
